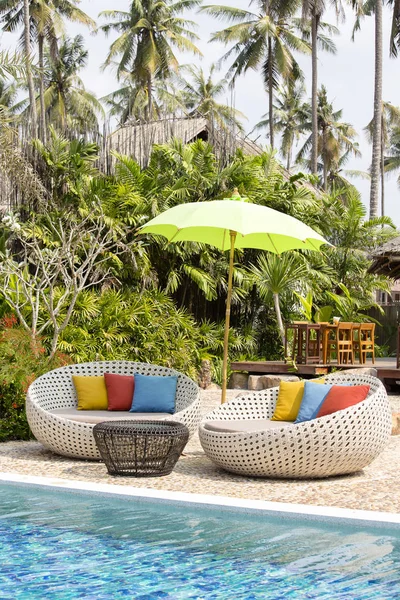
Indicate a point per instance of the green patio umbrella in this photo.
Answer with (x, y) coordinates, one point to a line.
(233, 223)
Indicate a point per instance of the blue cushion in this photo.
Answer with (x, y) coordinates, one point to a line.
(154, 393)
(313, 397)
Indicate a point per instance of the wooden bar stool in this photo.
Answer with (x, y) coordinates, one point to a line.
(309, 345)
(328, 335)
(297, 341)
(356, 341)
(329, 343)
(367, 342)
(345, 343)
(342, 344)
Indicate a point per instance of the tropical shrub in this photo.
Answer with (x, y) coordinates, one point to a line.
(143, 327)
(125, 325)
(21, 362)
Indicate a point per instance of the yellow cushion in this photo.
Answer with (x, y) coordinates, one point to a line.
(289, 399)
(91, 392)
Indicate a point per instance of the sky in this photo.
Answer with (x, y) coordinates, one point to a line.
(348, 76)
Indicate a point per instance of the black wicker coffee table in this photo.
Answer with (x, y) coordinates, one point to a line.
(140, 448)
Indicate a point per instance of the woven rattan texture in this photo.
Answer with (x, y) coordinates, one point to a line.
(341, 443)
(55, 389)
(142, 448)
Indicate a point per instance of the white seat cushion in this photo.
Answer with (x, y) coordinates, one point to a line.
(245, 426)
(98, 416)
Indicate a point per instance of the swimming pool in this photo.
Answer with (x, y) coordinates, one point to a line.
(63, 545)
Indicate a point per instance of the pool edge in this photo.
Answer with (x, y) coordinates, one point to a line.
(328, 514)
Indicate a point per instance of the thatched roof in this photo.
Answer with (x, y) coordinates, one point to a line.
(387, 259)
(137, 140)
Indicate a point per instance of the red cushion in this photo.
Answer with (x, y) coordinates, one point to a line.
(120, 390)
(340, 397)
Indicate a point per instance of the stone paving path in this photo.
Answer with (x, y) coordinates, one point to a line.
(375, 488)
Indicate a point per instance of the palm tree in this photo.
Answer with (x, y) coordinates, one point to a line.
(130, 101)
(392, 160)
(8, 96)
(267, 39)
(334, 137)
(291, 115)
(338, 174)
(27, 49)
(395, 29)
(390, 119)
(200, 98)
(149, 33)
(353, 238)
(276, 275)
(46, 24)
(377, 132)
(367, 8)
(313, 11)
(67, 103)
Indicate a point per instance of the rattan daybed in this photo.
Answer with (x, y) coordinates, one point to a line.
(51, 406)
(239, 436)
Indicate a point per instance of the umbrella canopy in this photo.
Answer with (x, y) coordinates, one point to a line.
(256, 226)
(233, 223)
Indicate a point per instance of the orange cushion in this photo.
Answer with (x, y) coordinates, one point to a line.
(120, 390)
(341, 397)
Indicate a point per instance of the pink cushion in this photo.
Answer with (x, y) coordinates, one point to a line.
(341, 397)
(120, 390)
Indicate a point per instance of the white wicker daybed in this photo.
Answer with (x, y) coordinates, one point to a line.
(55, 421)
(239, 436)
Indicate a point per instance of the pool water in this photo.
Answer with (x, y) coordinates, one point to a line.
(61, 545)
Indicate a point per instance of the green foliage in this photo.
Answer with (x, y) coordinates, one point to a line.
(311, 312)
(165, 303)
(22, 360)
(306, 305)
(349, 307)
(67, 168)
(144, 327)
(323, 314)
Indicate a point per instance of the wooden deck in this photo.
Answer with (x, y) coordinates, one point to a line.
(386, 368)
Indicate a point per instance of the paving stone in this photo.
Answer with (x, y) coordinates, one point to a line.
(274, 380)
(263, 382)
(238, 381)
(396, 424)
(377, 487)
(362, 371)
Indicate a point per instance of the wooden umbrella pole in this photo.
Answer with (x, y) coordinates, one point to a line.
(228, 317)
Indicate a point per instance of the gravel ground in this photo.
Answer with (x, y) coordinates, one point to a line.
(377, 487)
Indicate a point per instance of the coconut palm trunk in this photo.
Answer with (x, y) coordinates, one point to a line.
(377, 130)
(382, 172)
(41, 90)
(270, 95)
(324, 158)
(289, 156)
(149, 97)
(279, 318)
(314, 94)
(31, 87)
